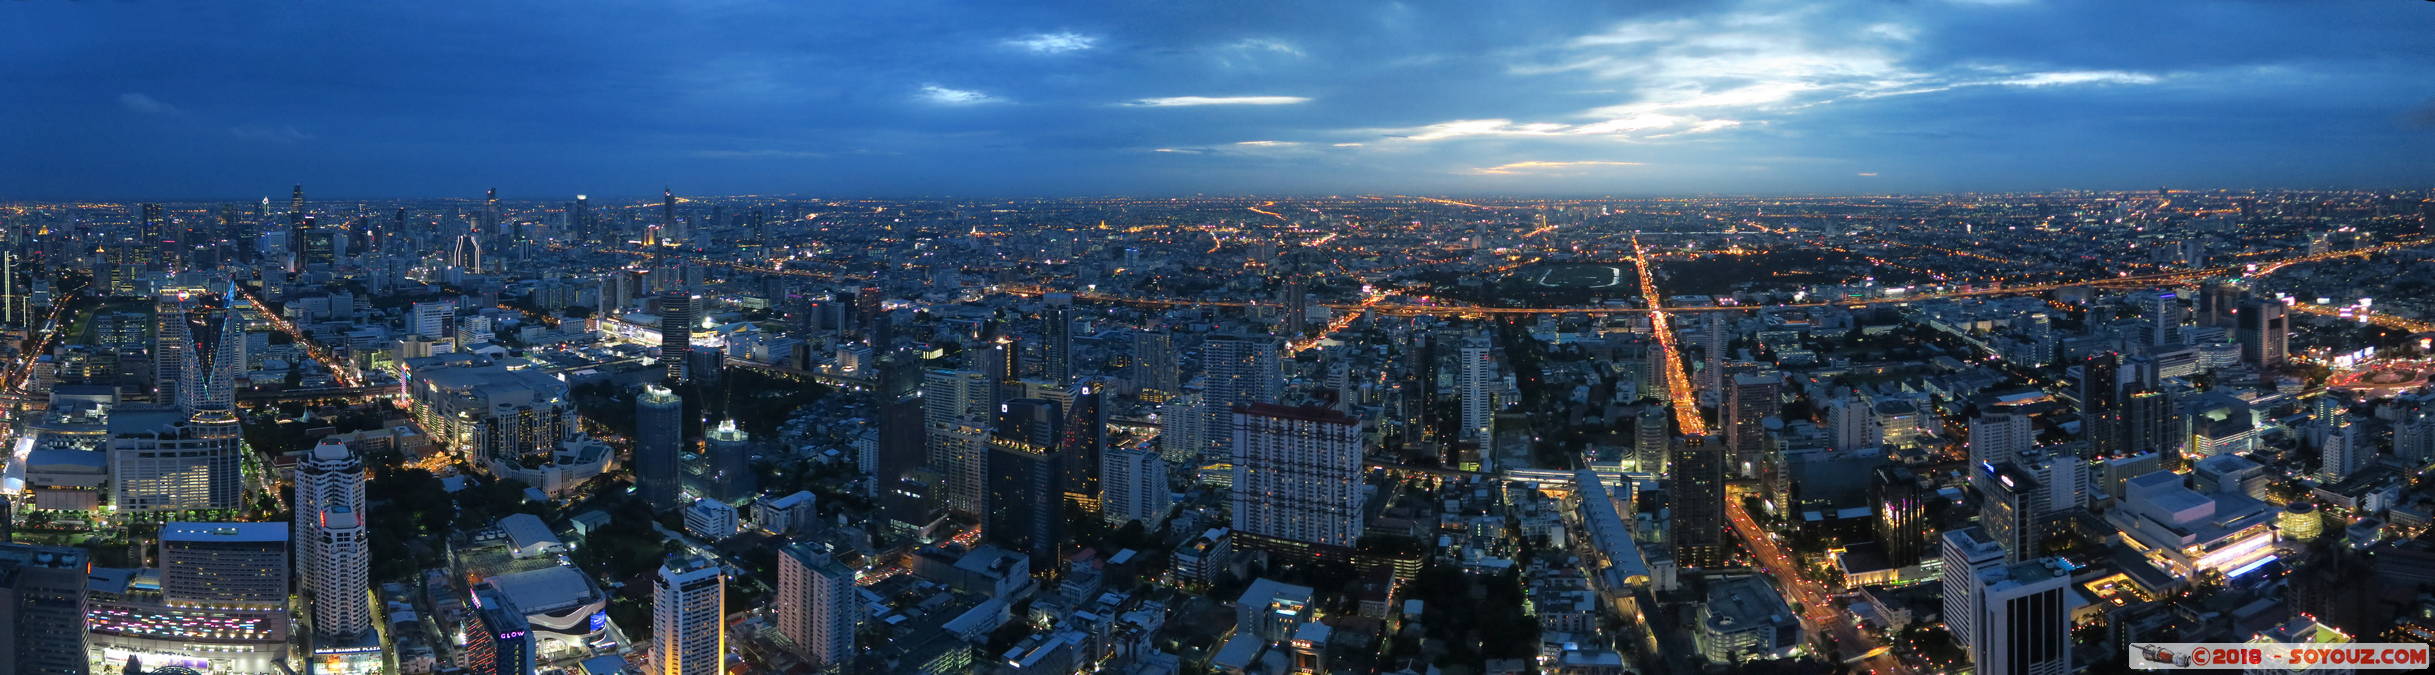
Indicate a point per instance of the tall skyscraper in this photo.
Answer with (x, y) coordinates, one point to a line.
(1237, 369)
(956, 412)
(2101, 403)
(2264, 332)
(228, 356)
(579, 220)
(2150, 423)
(1153, 366)
(730, 453)
(1650, 431)
(498, 640)
(1752, 399)
(1135, 483)
(675, 331)
(1297, 475)
(467, 255)
(660, 430)
(42, 610)
(1022, 503)
(667, 214)
(1902, 514)
(1057, 336)
(333, 559)
(2021, 619)
(169, 460)
(818, 606)
(1081, 440)
(2345, 451)
(490, 213)
(2164, 316)
(295, 207)
(1966, 552)
(688, 618)
(1476, 373)
(1297, 308)
(1697, 484)
(173, 359)
(2000, 436)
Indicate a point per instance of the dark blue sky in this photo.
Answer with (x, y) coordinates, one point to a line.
(1157, 97)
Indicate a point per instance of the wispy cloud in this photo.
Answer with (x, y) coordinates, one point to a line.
(1267, 144)
(2080, 77)
(145, 104)
(270, 134)
(1054, 43)
(1265, 45)
(1548, 167)
(946, 96)
(1183, 101)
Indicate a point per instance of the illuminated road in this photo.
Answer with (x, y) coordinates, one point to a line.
(344, 373)
(1818, 609)
(1678, 380)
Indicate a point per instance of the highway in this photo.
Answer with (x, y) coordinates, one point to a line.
(1678, 380)
(1817, 606)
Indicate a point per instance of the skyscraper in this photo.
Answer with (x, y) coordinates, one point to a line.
(1025, 471)
(467, 255)
(2264, 333)
(2101, 403)
(333, 558)
(660, 433)
(42, 610)
(675, 331)
(2020, 617)
(1902, 514)
(1081, 440)
(295, 208)
(174, 369)
(1135, 483)
(1057, 336)
(667, 214)
(1966, 552)
(1297, 308)
(1650, 431)
(1153, 366)
(1752, 399)
(169, 460)
(579, 220)
(956, 413)
(1475, 373)
(818, 606)
(1237, 369)
(688, 618)
(2000, 436)
(229, 565)
(2150, 423)
(1697, 484)
(1297, 475)
(731, 477)
(498, 640)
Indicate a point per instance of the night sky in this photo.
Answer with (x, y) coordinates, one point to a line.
(229, 99)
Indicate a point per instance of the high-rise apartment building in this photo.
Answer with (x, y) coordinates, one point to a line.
(333, 557)
(2101, 404)
(1134, 480)
(42, 610)
(818, 606)
(1153, 368)
(957, 412)
(1237, 369)
(688, 618)
(1697, 482)
(1057, 336)
(1966, 552)
(1752, 399)
(1476, 374)
(1297, 475)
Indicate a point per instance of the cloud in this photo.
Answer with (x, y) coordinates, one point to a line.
(1182, 101)
(1870, 174)
(2080, 77)
(945, 96)
(1547, 167)
(1054, 43)
(1265, 45)
(1267, 144)
(270, 134)
(145, 104)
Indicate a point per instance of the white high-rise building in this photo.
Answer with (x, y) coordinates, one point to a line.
(1967, 552)
(817, 605)
(1854, 422)
(1183, 435)
(688, 618)
(169, 460)
(956, 412)
(431, 319)
(2000, 436)
(1297, 474)
(2346, 452)
(1476, 373)
(1133, 482)
(333, 559)
(2021, 618)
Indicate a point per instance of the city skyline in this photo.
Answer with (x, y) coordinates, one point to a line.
(1755, 97)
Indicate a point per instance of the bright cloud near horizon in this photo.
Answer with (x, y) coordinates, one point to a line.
(1075, 98)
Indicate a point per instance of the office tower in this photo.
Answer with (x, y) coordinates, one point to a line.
(956, 413)
(1237, 369)
(667, 213)
(2021, 620)
(818, 606)
(660, 433)
(1153, 366)
(903, 446)
(295, 207)
(2101, 404)
(2264, 333)
(1966, 552)
(1475, 373)
(1853, 421)
(2346, 450)
(1697, 481)
(2414, 431)
(2150, 423)
(150, 224)
(228, 357)
(2012, 507)
(434, 319)
(168, 460)
(1748, 404)
(1297, 308)
(1713, 338)
(1902, 514)
(42, 610)
(228, 565)
(468, 254)
(688, 618)
(579, 220)
(490, 213)
(1022, 504)
(1081, 440)
(498, 639)
(731, 477)
(675, 331)
(2164, 316)
(1650, 431)
(1057, 336)
(333, 559)
(172, 352)
(2216, 303)
(2000, 436)
(1297, 475)
(1134, 480)
(869, 305)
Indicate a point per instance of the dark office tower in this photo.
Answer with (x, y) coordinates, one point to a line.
(1297, 308)
(295, 207)
(1000, 360)
(1081, 440)
(154, 225)
(501, 642)
(867, 307)
(2216, 303)
(730, 450)
(667, 213)
(659, 426)
(1021, 495)
(2101, 404)
(1650, 429)
(397, 223)
(2149, 423)
(1153, 366)
(1751, 401)
(1057, 335)
(1697, 482)
(2264, 333)
(675, 331)
(490, 212)
(42, 610)
(579, 220)
(903, 445)
(1902, 514)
